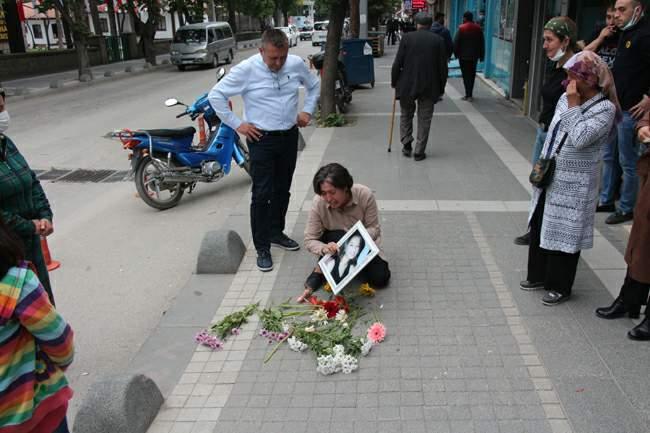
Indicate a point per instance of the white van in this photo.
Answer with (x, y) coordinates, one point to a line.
(203, 44)
(319, 35)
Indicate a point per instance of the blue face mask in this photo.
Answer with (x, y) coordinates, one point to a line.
(636, 16)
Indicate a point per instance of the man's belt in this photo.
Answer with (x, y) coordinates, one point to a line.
(280, 133)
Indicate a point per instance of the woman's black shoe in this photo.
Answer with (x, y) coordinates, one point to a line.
(618, 309)
(523, 239)
(531, 285)
(640, 332)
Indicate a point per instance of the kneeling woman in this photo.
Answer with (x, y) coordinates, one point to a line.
(562, 213)
(338, 205)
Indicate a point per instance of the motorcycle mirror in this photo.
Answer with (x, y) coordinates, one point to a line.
(220, 73)
(171, 102)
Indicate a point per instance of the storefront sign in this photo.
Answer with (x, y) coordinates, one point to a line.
(418, 4)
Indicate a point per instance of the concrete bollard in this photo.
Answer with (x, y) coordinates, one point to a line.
(221, 252)
(108, 74)
(147, 65)
(129, 69)
(85, 78)
(125, 404)
(56, 84)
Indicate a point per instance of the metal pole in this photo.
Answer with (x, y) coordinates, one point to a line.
(363, 19)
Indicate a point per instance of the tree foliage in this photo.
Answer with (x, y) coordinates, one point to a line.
(260, 9)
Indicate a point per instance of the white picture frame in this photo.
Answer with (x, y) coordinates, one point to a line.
(356, 241)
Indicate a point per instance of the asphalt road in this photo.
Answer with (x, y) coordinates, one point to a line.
(122, 262)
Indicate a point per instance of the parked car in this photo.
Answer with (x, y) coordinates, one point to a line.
(292, 35)
(305, 32)
(319, 35)
(203, 44)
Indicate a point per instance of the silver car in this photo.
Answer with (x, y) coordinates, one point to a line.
(203, 44)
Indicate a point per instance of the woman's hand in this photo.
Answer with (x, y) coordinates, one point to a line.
(644, 134)
(330, 248)
(572, 95)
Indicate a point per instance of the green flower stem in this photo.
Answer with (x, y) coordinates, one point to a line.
(277, 346)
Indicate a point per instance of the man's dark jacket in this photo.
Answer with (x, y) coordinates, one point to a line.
(420, 67)
(632, 64)
(442, 31)
(469, 43)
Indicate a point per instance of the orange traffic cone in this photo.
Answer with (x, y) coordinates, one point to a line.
(51, 264)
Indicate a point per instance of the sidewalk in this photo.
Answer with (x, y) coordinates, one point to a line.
(467, 351)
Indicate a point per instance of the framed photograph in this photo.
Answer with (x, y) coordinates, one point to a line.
(356, 250)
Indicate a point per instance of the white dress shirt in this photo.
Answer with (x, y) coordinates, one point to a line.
(270, 99)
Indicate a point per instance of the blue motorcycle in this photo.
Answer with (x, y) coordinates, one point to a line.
(165, 163)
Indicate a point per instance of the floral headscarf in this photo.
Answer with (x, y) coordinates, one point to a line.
(563, 26)
(589, 67)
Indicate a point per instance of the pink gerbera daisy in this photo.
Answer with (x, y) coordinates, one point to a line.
(376, 332)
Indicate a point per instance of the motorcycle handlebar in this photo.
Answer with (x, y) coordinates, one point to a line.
(184, 113)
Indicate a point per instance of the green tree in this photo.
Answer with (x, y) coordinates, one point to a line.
(74, 16)
(260, 9)
(286, 6)
(337, 10)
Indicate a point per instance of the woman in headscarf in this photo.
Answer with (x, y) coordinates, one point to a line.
(636, 285)
(560, 34)
(23, 203)
(562, 213)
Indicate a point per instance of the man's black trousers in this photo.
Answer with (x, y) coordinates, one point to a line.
(273, 161)
(468, 69)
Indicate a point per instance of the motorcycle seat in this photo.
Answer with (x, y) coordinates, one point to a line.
(171, 133)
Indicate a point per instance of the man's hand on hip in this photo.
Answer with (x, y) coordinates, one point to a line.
(250, 131)
(641, 108)
(303, 119)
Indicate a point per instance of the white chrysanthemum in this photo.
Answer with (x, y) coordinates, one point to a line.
(339, 350)
(319, 315)
(366, 347)
(341, 316)
(286, 327)
(349, 364)
(296, 345)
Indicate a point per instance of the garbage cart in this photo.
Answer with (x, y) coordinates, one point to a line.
(358, 61)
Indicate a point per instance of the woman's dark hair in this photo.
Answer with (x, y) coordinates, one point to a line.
(335, 174)
(362, 245)
(11, 249)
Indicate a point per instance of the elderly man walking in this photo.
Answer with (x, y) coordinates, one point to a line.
(268, 83)
(419, 74)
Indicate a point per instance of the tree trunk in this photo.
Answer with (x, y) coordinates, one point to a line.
(285, 15)
(47, 32)
(81, 46)
(210, 5)
(94, 15)
(112, 19)
(232, 17)
(173, 14)
(67, 33)
(330, 65)
(147, 37)
(354, 19)
(60, 33)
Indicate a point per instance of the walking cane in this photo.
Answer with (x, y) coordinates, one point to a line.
(392, 124)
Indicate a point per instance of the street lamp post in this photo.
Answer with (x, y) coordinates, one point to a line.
(363, 19)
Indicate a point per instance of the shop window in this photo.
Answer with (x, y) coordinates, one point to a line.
(103, 24)
(504, 29)
(38, 31)
(55, 31)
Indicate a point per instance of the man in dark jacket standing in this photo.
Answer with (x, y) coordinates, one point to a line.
(632, 77)
(438, 27)
(419, 74)
(469, 47)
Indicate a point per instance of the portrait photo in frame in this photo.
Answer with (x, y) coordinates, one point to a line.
(356, 250)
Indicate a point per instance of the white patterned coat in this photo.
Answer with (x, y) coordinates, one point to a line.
(571, 198)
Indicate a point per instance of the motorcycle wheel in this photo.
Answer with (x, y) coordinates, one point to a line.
(156, 194)
(244, 150)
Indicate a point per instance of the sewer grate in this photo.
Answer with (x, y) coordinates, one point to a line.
(118, 176)
(53, 174)
(82, 175)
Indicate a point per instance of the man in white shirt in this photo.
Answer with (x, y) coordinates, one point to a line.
(268, 83)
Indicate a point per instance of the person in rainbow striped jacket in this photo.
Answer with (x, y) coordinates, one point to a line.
(35, 348)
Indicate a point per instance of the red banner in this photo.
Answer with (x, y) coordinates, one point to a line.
(418, 4)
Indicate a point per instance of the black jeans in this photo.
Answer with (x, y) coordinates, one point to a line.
(468, 69)
(376, 273)
(556, 269)
(634, 292)
(273, 161)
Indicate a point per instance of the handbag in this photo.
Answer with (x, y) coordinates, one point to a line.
(543, 170)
